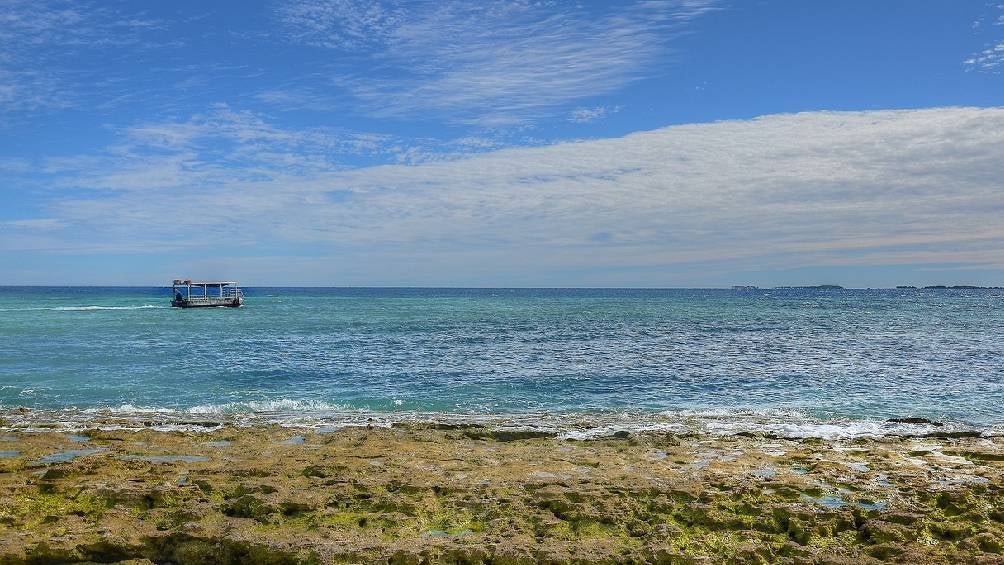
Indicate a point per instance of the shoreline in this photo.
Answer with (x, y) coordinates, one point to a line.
(436, 493)
(573, 425)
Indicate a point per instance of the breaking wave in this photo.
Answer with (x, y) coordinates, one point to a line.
(321, 415)
(281, 405)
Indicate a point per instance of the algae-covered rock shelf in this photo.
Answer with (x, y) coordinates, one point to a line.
(470, 495)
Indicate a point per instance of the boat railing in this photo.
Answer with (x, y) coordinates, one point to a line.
(223, 293)
(195, 298)
(229, 292)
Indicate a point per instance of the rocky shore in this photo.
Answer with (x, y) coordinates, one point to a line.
(423, 493)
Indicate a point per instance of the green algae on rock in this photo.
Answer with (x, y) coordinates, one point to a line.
(416, 494)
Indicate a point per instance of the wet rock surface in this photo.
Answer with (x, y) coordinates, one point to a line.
(428, 494)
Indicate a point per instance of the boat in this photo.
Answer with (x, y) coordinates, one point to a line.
(213, 294)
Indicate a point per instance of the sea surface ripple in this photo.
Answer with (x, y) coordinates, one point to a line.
(775, 358)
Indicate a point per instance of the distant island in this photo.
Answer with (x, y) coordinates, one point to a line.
(811, 287)
(952, 287)
(898, 287)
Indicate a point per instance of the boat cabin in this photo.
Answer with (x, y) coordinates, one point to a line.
(206, 294)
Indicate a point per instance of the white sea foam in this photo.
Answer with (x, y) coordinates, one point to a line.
(831, 430)
(605, 431)
(83, 308)
(89, 308)
(325, 416)
(127, 409)
(280, 405)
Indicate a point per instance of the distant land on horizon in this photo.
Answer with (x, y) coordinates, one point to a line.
(434, 287)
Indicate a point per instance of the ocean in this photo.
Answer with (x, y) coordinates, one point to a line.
(796, 362)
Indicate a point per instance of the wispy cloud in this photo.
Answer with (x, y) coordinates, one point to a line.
(35, 223)
(30, 90)
(14, 165)
(341, 24)
(818, 188)
(586, 115)
(39, 38)
(217, 148)
(492, 63)
(287, 99)
(991, 57)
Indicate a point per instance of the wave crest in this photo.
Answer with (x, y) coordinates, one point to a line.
(326, 416)
(280, 406)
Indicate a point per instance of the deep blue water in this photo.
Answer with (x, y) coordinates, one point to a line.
(821, 354)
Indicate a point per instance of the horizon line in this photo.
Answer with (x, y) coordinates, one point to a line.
(824, 286)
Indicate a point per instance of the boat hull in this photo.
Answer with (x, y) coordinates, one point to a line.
(211, 303)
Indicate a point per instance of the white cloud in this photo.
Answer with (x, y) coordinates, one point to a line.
(991, 57)
(30, 90)
(38, 38)
(14, 165)
(987, 60)
(343, 24)
(491, 63)
(297, 99)
(586, 115)
(35, 223)
(217, 148)
(816, 188)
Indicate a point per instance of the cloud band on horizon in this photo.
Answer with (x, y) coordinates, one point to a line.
(917, 187)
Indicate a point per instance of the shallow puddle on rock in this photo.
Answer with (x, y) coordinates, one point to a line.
(166, 458)
(295, 440)
(76, 438)
(68, 455)
(8, 454)
(765, 472)
(8, 439)
(831, 501)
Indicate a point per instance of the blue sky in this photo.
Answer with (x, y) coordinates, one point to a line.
(680, 143)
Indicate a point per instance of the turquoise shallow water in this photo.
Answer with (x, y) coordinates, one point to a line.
(643, 356)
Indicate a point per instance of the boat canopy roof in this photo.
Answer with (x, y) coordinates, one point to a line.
(204, 283)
